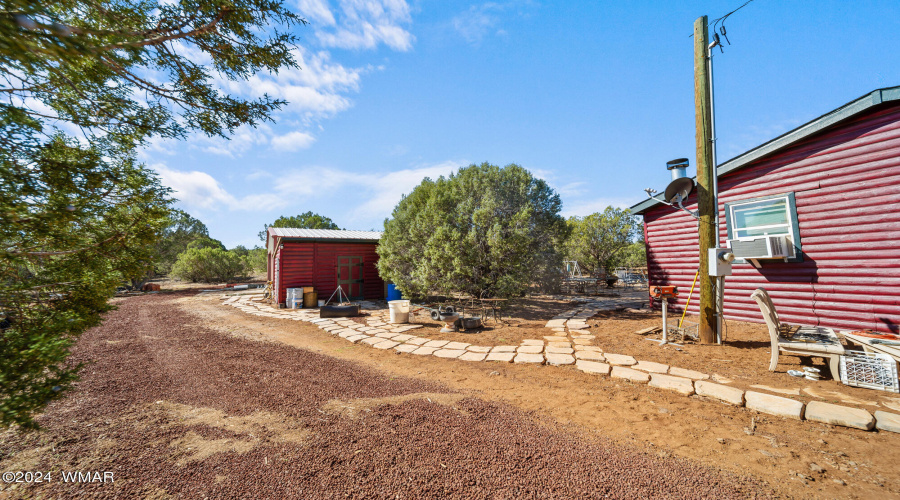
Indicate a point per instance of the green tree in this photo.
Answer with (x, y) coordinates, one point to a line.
(206, 242)
(209, 265)
(257, 260)
(308, 220)
(78, 217)
(181, 230)
(596, 240)
(486, 231)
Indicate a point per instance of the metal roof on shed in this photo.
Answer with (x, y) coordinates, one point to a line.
(324, 234)
(852, 108)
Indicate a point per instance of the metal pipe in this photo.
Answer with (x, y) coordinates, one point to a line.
(720, 281)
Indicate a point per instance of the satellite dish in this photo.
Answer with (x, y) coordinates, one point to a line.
(682, 187)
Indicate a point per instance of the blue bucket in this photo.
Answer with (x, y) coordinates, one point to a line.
(393, 293)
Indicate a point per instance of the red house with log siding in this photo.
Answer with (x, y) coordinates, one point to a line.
(830, 191)
(324, 259)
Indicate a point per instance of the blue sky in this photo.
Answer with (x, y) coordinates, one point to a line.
(593, 97)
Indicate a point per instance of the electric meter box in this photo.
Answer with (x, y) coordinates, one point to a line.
(720, 261)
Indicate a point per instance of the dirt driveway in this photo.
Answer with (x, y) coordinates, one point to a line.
(186, 398)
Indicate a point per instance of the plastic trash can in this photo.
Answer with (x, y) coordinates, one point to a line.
(399, 311)
(393, 293)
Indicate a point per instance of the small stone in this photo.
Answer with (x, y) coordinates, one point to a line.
(589, 356)
(885, 421)
(620, 360)
(629, 374)
(680, 385)
(457, 345)
(650, 366)
(774, 405)
(840, 482)
(493, 373)
(529, 358)
(816, 467)
(720, 440)
(473, 356)
(828, 413)
(560, 359)
(592, 367)
(730, 395)
(691, 374)
(504, 357)
(449, 353)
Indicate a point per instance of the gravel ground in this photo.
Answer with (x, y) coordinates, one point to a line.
(176, 410)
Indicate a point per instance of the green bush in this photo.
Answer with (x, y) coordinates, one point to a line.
(208, 265)
(257, 259)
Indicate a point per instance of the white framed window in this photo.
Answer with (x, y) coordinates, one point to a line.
(767, 216)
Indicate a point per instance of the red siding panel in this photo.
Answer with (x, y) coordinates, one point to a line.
(314, 263)
(846, 181)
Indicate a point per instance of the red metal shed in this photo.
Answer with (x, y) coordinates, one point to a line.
(831, 189)
(324, 259)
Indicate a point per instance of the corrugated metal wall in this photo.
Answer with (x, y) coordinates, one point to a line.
(314, 264)
(847, 187)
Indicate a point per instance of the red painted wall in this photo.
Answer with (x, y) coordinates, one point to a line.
(847, 186)
(313, 263)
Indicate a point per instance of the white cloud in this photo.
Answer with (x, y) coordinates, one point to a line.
(364, 24)
(199, 190)
(582, 208)
(474, 24)
(316, 11)
(293, 141)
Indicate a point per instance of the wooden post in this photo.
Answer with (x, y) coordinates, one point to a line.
(705, 175)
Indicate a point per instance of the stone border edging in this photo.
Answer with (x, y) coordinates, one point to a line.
(560, 350)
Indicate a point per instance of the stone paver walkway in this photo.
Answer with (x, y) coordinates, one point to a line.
(571, 345)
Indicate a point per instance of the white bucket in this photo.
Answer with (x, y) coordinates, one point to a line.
(321, 303)
(399, 311)
(296, 303)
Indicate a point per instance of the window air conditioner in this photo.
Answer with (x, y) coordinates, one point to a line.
(762, 247)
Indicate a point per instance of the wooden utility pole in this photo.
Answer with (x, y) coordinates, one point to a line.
(705, 175)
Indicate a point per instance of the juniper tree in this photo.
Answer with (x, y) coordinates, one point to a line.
(82, 84)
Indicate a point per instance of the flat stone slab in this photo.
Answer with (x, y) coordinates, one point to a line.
(629, 374)
(560, 330)
(387, 335)
(678, 384)
(387, 344)
(589, 355)
(479, 348)
(473, 356)
(581, 341)
(556, 323)
(529, 358)
(503, 348)
(372, 340)
(348, 333)
(424, 351)
(592, 367)
(532, 342)
(418, 340)
(774, 405)
(406, 348)
(885, 421)
(844, 416)
(594, 348)
(584, 337)
(730, 395)
(449, 353)
(559, 350)
(457, 345)
(504, 357)
(560, 359)
(691, 374)
(556, 338)
(565, 345)
(650, 366)
(402, 337)
(436, 343)
(620, 360)
(344, 331)
(530, 349)
(779, 390)
(356, 338)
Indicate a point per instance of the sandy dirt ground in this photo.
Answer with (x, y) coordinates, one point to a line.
(186, 397)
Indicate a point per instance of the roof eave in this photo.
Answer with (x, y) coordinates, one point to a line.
(870, 100)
